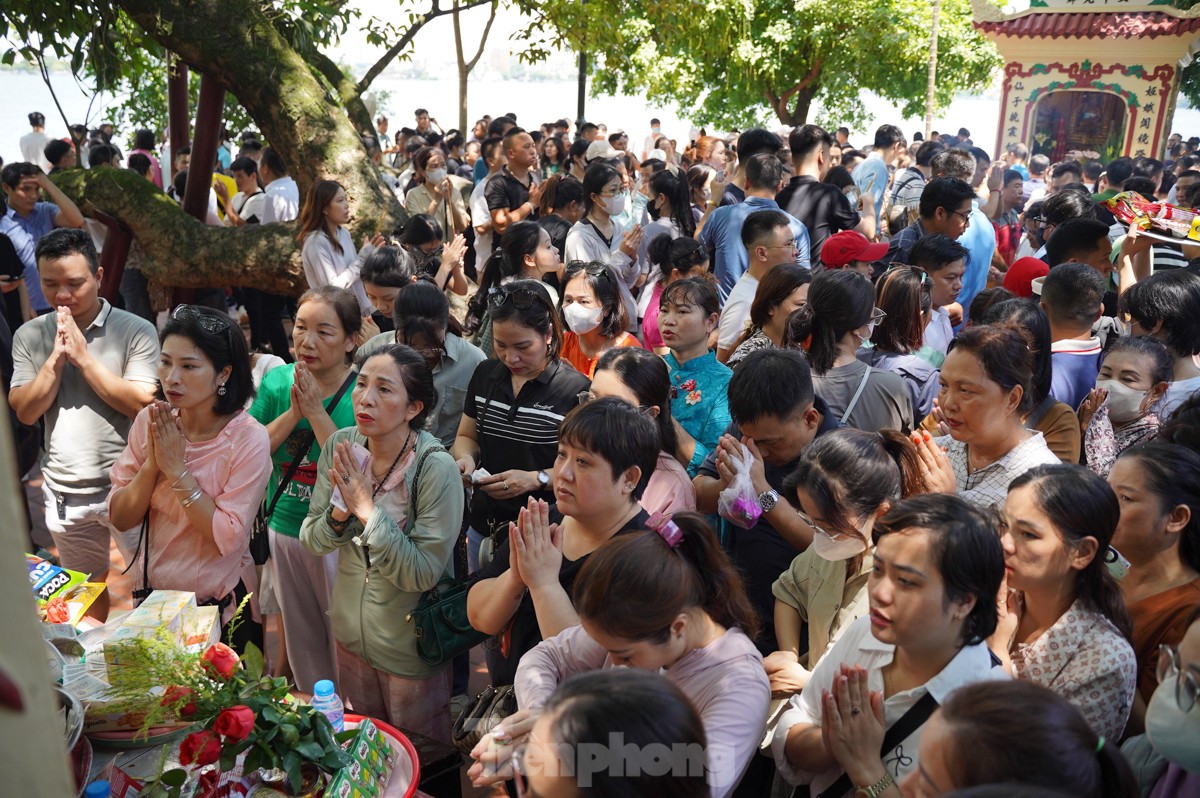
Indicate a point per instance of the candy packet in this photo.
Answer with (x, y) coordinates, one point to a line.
(49, 580)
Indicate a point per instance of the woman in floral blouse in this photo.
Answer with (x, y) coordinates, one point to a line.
(1066, 627)
(688, 312)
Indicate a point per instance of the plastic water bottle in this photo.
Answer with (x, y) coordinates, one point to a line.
(98, 789)
(328, 704)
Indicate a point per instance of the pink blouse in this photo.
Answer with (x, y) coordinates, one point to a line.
(670, 489)
(232, 469)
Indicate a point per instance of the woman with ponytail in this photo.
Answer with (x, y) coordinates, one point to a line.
(1066, 626)
(673, 259)
(525, 253)
(667, 600)
(839, 316)
(1016, 733)
(1158, 488)
(845, 480)
(561, 207)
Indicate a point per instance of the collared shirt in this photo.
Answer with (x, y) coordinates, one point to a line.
(283, 200)
(858, 646)
(1075, 365)
(517, 432)
(84, 435)
(24, 245)
(902, 242)
(987, 487)
(701, 403)
(980, 241)
(722, 238)
(825, 599)
(451, 376)
(37, 224)
(1086, 660)
(506, 193)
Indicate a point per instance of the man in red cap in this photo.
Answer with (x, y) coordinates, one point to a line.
(850, 249)
(1020, 276)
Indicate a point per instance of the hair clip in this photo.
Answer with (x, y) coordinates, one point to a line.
(667, 529)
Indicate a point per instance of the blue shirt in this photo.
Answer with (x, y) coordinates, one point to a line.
(722, 238)
(36, 224)
(872, 172)
(701, 403)
(479, 171)
(980, 241)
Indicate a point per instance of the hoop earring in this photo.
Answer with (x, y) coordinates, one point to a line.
(221, 391)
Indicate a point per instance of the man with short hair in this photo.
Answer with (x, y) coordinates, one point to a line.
(1035, 185)
(381, 134)
(589, 131)
(282, 200)
(905, 198)
(1015, 156)
(618, 141)
(776, 415)
(1113, 177)
(87, 370)
(751, 143)
(1063, 175)
(491, 155)
(425, 123)
(1072, 294)
(979, 238)
(871, 176)
(823, 209)
(33, 144)
(721, 235)
(945, 208)
(1086, 240)
(842, 136)
(1185, 181)
(769, 241)
(61, 155)
(1151, 168)
(655, 135)
(513, 195)
(23, 183)
(246, 206)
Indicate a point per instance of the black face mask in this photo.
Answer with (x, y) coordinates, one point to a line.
(432, 262)
(654, 210)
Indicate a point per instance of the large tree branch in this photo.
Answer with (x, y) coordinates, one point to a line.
(482, 39)
(397, 48)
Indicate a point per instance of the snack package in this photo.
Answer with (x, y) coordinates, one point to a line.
(49, 580)
(738, 503)
(68, 607)
(343, 785)
(1177, 222)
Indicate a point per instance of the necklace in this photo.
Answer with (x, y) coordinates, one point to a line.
(392, 467)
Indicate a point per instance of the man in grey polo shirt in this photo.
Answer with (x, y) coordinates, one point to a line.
(87, 369)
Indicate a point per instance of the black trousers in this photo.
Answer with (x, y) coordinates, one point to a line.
(265, 312)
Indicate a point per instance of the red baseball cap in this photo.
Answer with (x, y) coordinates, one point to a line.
(842, 249)
(1020, 276)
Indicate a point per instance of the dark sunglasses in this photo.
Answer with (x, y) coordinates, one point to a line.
(521, 298)
(592, 268)
(209, 320)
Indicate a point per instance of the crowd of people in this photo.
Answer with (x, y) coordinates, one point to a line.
(877, 468)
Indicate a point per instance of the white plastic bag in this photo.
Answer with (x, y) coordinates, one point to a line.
(738, 503)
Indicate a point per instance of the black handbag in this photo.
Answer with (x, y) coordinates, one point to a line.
(440, 617)
(260, 539)
(482, 715)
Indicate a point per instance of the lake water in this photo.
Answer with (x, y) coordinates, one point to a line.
(534, 102)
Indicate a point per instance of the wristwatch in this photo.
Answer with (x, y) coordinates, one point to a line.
(875, 790)
(768, 499)
(543, 478)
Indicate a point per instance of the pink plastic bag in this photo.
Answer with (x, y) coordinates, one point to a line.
(738, 503)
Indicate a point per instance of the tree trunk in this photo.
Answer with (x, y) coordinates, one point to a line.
(234, 43)
(464, 65)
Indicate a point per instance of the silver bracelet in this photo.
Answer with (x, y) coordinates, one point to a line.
(192, 498)
(185, 473)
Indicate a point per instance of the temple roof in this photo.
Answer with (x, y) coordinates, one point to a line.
(1126, 25)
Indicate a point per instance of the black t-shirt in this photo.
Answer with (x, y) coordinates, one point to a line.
(520, 432)
(524, 633)
(824, 209)
(732, 195)
(505, 193)
(761, 553)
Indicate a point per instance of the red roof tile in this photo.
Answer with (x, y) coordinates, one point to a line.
(1085, 25)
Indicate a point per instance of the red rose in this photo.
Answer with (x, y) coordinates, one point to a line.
(181, 700)
(220, 660)
(235, 723)
(200, 748)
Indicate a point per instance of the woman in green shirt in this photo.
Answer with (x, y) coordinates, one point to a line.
(297, 405)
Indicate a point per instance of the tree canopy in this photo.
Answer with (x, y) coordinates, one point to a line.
(730, 64)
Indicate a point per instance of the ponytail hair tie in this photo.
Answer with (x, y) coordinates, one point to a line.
(667, 529)
(1100, 744)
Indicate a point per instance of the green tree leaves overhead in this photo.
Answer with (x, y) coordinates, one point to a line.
(733, 63)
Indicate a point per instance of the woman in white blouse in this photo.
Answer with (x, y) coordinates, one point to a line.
(1066, 626)
(327, 251)
(937, 570)
(598, 236)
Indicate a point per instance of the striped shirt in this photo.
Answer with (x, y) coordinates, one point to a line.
(517, 432)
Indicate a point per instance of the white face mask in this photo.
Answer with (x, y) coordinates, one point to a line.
(580, 319)
(838, 550)
(435, 175)
(614, 206)
(1124, 403)
(865, 332)
(1170, 730)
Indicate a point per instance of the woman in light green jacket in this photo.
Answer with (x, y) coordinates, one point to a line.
(389, 499)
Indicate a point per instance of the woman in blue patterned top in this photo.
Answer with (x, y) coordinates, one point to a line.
(689, 310)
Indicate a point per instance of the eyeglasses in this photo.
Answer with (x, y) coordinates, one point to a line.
(822, 531)
(209, 320)
(521, 298)
(966, 217)
(1186, 686)
(877, 316)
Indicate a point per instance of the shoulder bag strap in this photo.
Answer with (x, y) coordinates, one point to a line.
(412, 494)
(909, 722)
(307, 442)
(854, 399)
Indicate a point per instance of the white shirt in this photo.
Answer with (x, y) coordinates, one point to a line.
(479, 211)
(939, 332)
(736, 312)
(857, 646)
(33, 146)
(324, 265)
(282, 200)
(585, 243)
(248, 206)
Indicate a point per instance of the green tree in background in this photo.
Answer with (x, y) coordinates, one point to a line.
(731, 64)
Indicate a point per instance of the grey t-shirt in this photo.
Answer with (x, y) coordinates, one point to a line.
(883, 404)
(84, 435)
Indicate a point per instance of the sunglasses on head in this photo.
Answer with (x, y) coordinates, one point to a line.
(209, 320)
(592, 268)
(521, 298)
